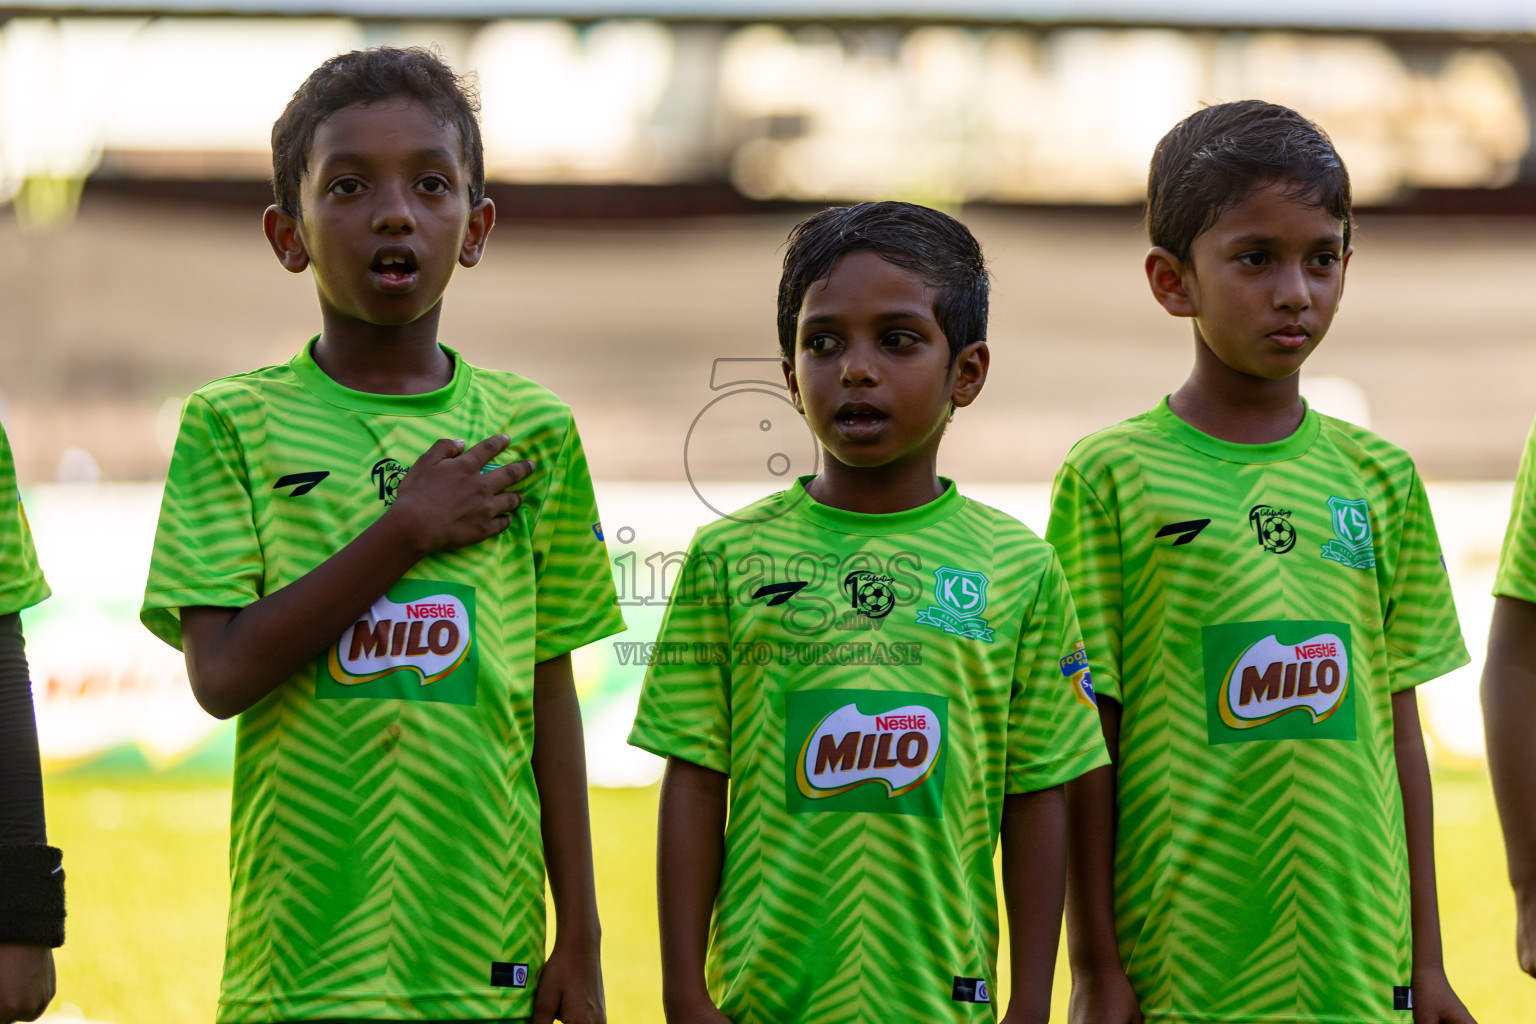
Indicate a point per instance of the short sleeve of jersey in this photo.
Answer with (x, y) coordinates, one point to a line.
(684, 705)
(1423, 634)
(576, 600)
(1517, 562)
(207, 551)
(1053, 722)
(1086, 536)
(21, 579)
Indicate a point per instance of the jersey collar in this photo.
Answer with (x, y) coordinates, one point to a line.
(327, 390)
(1229, 451)
(875, 524)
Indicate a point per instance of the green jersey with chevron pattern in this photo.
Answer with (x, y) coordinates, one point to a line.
(385, 844)
(1517, 562)
(874, 685)
(1253, 608)
(21, 580)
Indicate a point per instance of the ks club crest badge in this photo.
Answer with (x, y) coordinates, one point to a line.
(962, 597)
(1352, 531)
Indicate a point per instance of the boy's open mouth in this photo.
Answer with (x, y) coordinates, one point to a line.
(858, 419)
(394, 268)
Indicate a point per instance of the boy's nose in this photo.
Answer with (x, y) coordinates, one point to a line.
(858, 368)
(1291, 290)
(393, 212)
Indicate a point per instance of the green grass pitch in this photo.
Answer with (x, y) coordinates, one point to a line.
(147, 867)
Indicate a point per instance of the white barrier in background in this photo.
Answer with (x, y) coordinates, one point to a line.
(104, 686)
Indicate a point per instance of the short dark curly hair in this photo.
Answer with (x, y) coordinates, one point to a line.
(369, 75)
(933, 245)
(1214, 158)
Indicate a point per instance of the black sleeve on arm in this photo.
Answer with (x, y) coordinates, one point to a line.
(21, 777)
(31, 872)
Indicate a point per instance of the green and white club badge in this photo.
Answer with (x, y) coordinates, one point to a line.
(962, 597)
(1352, 531)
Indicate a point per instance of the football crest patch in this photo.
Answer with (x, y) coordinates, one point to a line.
(961, 596)
(1352, 543)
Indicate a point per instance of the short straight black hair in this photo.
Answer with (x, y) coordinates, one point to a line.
(368, 76)
(1216, 157)
(933, 245)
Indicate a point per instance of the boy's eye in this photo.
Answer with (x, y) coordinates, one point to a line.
(1326, 259)
(434, 184)
(346, 187)
(817, 343)
(1253, 259)
(900, 339)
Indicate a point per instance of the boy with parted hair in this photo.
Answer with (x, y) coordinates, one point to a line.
(879, 677)
(1260, 588)
(395, 641)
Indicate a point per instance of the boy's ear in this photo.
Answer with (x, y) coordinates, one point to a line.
(790, 382)
(282, 231)
(969, 374)
(1169, 278)
(482, 217)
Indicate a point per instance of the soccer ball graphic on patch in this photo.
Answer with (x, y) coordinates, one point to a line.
(1273, 528)
(870, 593)
(750, 434)
(387, 474)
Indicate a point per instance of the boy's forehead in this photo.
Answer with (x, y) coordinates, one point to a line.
(1276, 208)
(864, 278)
(391, 127)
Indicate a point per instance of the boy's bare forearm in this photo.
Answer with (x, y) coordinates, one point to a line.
(1509, 709)
(1419, 825)
(235, 657)
(1034, 833)
(1091, 942)
(690, 849)
(560, 772)
(1434, 1001)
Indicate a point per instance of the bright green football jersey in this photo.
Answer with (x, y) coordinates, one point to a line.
(21, 580)
(1253, 608)
(873, 685)
(1517, 562)
(385, 849)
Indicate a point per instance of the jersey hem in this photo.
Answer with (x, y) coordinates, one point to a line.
(22, 597)
(1046, 774)
(160, 613)
(695, 748)
(1429, 666)
(404, 1007)
(1519, 589)
(553, 643)
(1177, 1017)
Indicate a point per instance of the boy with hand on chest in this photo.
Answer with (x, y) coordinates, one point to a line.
(878, 678)
(395, 641)
(1261, 588)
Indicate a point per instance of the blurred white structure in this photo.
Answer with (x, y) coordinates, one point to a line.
(943, 113)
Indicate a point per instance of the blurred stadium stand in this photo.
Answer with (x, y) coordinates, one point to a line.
(653, 154)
